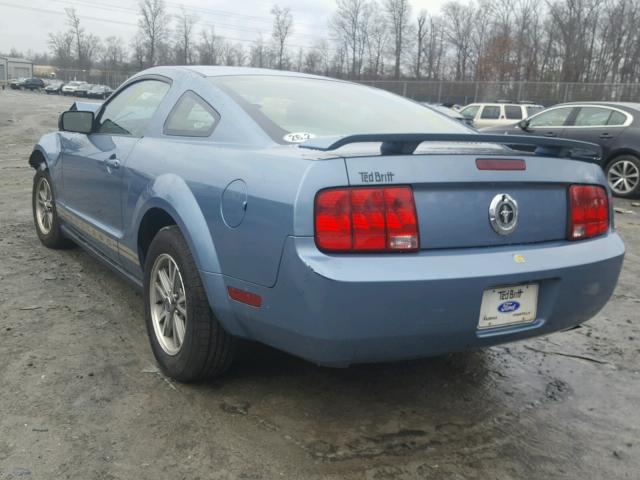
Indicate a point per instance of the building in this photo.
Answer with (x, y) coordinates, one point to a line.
(11, 68)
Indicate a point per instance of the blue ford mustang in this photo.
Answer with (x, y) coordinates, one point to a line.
(337, 222)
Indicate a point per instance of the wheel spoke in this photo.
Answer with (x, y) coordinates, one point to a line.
(179, 330)
(164, 280)
(166, 323)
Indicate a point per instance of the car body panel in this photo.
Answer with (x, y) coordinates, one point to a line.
(617, 140)
(245, 205)
(425, 302)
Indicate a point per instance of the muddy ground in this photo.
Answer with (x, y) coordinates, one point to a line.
(81, 398)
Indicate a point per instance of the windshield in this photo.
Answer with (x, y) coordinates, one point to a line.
(292, 109)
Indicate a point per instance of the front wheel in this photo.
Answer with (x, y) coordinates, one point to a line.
(187, 340)
(45, 214)
(623, 175)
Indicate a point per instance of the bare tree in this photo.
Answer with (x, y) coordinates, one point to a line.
(210, 47)
(398, 12)
(421, 33)
(460, 22)
(113, 53)
(259, 54)
(73, 21)
(153, 27)
(282, 29)
(184, 36)
(349, 26)
(61, 45)
(377, 41)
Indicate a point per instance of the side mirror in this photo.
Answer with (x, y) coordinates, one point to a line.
(524, 124)
(76, 121)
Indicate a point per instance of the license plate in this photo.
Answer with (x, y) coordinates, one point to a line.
(512, 305)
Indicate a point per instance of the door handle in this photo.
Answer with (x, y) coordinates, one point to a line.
(550, 134)
(606, 135)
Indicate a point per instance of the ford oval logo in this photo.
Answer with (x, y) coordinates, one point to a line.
(507, 307)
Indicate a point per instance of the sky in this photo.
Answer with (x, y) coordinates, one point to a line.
(25, 24)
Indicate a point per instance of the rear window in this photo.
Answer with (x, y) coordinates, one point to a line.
(293, 109)
(617, 118)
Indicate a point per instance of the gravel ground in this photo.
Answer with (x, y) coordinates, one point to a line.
(81, 396)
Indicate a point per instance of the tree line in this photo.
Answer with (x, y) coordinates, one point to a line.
(482, 40)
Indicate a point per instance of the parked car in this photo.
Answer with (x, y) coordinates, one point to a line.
(16, 83)
(33, 83)
(99, 91)
(83, 89)
(615, 126)
(244, 208)
(495, 114)
(54, 87)
(72, 87)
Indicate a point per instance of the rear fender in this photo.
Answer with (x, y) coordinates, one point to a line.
(170, 193)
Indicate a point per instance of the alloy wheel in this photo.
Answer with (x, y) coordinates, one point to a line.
(623, 176)
(44, 206)
(168, 304)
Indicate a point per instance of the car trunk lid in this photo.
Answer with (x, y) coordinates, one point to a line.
(453, 197)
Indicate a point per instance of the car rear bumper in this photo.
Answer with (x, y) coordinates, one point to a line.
(344, 309)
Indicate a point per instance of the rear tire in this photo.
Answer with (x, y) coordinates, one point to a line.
(623, 176)
(187, 340)
(45, 214)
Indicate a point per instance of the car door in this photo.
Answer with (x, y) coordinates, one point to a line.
(92, 164)
(489, 116)
(597, 124)
(551, 122)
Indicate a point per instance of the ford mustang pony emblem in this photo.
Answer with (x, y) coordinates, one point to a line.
(503, 214)
(507, 307)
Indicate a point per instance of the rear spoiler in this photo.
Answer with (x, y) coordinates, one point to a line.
(407, 143)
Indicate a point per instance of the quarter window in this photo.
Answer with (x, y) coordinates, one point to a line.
(592, 117)
(132, 109)
(617, 118)
(551, 118)
(490, 112)
(191, 117)
(513, 112)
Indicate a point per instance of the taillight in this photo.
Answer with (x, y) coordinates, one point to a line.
(588, 211)
(366, 219)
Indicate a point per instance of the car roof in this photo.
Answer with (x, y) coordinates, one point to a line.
(508, 104)
(221, 71)
(631, 105)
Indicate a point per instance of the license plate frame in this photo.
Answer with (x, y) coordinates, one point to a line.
(508, 306)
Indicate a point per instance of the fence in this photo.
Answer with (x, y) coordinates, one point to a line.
(461, 93)
(545, 93)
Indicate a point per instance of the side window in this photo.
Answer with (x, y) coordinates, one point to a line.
(132, 109)
(191, 117)
(592, 117)
(551, 118)
(490, 112)
(513, 112)
(617, 118)
(470, 111)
